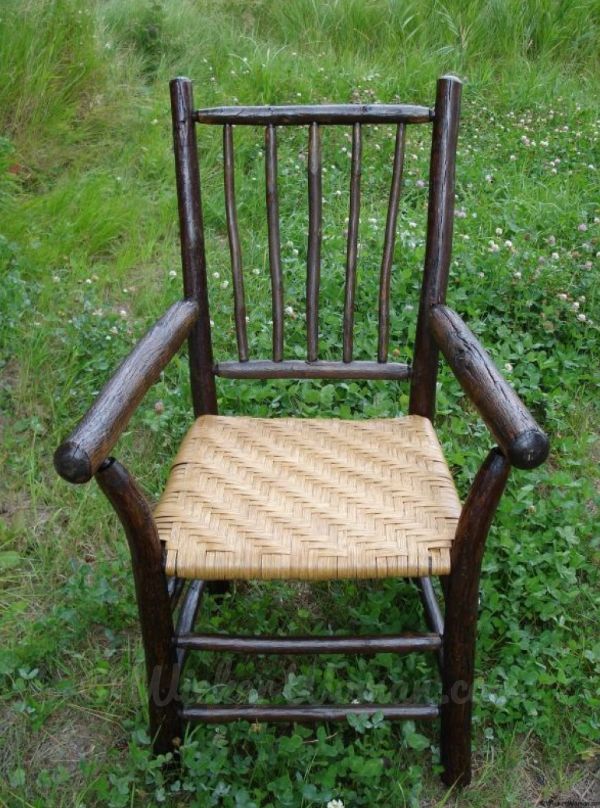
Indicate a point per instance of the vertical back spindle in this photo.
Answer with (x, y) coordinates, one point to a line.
(388, 246)
(314, 242)
(193, 258)
(439, 242)
(239, 303)
(274, 241)
(352, 245)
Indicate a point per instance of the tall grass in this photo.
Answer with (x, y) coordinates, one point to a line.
(54, 53)
(49, 62)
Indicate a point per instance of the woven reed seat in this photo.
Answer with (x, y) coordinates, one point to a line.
(308, 499)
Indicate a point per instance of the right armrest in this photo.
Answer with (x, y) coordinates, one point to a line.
(80, 456)
(508, 419)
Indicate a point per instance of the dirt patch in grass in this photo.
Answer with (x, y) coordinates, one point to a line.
(69, 737)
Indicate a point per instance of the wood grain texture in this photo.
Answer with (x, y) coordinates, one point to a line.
(274, 240)
(352, 243)
(310, 714)
(80, 456)
(461, 617)
(389, 242)
(235, 250)
(153, 601)
(509, 421)
(376, 644)
(193, 257)
(321, 369)
(439, 242)
(322, 113)
(313, 260)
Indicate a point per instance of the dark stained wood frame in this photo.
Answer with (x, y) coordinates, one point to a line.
(522, 443)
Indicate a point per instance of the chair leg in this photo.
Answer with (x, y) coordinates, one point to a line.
(153, 602)
(461, 617)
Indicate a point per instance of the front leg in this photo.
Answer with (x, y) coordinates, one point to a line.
(460, 623)
(154, 606)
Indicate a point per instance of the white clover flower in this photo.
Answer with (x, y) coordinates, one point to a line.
(216, 275)
(555, 256)
(335, 804)
(508, 367)
(508, 243)
(172, 274)
(493, 247)
(289, 310)
(551, 240)
(562, 296)
(498, 231)
(256, 271)
(582, 318)
(582, 227)
(224, 284)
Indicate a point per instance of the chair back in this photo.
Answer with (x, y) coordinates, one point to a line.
(443, 117)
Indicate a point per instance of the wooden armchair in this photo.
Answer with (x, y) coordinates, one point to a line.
(309, 499)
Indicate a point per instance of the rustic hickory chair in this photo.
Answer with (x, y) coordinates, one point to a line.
(256, 498)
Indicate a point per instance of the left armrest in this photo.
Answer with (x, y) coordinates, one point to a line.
(86, 448)
(511, 423)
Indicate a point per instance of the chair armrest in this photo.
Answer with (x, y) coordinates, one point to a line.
(80, 456)
(507, 418)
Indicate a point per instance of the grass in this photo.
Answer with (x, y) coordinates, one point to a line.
(87, 247)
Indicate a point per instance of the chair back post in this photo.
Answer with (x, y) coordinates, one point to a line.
(193, 256)
(439, 242)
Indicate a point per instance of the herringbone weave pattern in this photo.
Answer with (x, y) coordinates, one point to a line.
(308, 499)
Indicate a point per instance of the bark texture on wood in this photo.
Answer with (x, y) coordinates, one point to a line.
(460, 621)
(193, 256)
(510, 422)
(153, 602)
(80, 456)
(439, 242)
